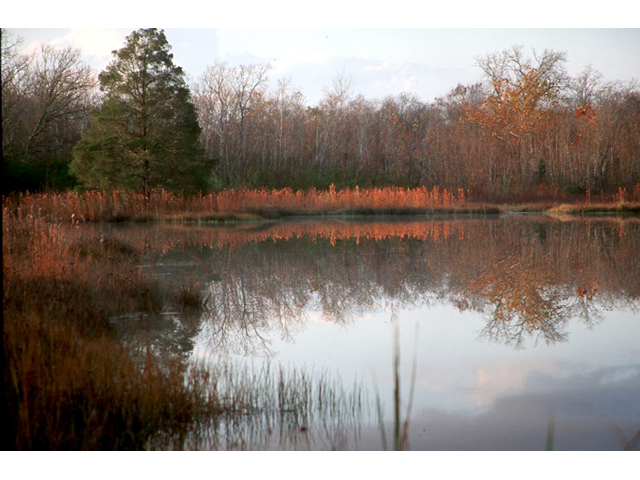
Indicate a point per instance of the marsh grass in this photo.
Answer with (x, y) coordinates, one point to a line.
(236, 205)
(270, 406)
(227, 205)
(70, 383)
(632, 208)
(244, 204)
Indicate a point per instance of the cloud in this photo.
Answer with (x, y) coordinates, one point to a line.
(286, 61)
(32, 47)
(377, 67)
(96, 42)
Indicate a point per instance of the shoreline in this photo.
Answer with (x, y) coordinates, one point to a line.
(277, 213)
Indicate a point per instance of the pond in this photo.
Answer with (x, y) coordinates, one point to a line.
(513, 332)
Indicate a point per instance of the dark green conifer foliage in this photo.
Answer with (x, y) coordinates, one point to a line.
(146, 133)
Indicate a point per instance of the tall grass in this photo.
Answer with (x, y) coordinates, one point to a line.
(400, 426)
(69, 383)
(93, 206)
(99, 206)
(269, 406)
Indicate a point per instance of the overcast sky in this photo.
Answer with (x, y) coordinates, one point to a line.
(427, 62)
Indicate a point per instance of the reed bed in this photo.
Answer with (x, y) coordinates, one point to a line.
(72, 384)
(69, 385)
(95, 206)
(239, 204)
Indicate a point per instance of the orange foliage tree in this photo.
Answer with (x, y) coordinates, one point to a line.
(516, 123)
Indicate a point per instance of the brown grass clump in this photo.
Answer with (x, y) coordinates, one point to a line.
(69, 384)
(582, 209)
(70, 380)
(226, 205)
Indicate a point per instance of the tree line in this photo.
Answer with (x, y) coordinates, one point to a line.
(138, 125)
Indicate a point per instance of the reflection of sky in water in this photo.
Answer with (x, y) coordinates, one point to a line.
(472, 393)
(483, 381)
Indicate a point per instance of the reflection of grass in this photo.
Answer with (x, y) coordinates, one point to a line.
(281, 408)
(189, 295)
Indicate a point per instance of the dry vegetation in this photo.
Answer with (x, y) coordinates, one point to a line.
(69, 382)
(245, 204)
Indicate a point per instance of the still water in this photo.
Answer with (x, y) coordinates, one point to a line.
(519, 332)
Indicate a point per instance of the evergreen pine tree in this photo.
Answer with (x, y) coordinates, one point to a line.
(146, 133)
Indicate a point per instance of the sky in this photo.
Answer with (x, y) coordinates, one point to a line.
(427, 62)
(414, 47)
(381, 52)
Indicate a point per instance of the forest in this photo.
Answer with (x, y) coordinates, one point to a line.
(528, 128)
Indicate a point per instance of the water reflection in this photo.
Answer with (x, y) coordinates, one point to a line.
(286, 408)
(530, 280)
(524, 283)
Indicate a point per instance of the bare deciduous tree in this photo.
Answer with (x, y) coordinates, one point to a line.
(585, 88)
(510, 67)
(223, 97)
(60, 87)
(15, 69)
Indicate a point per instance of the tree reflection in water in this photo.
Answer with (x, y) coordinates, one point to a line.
(526, 284)
(529, 276)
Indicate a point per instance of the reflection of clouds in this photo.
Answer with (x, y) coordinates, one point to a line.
(586, 415)
(611, 391)
(318, 317)
(622, 374)
(507, 375)
(435, 387)
(321, 317)
(267, 296)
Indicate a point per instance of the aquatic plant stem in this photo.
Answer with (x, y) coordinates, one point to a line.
(405, 430)
(396, 388)
(550, 427)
